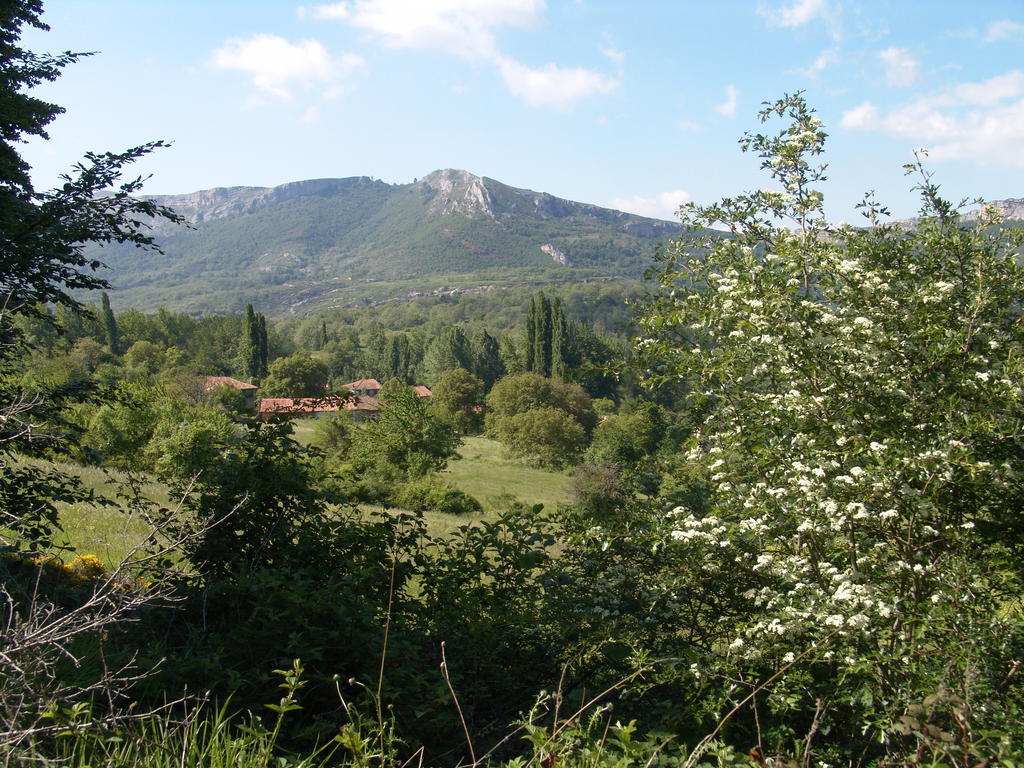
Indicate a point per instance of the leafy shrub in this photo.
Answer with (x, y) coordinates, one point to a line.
(861, 456)
(429, 494)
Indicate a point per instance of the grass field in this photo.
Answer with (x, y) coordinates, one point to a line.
(482, 471)
(486, 474)
(101, 530)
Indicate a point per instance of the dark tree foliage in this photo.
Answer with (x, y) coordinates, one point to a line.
(558, 333)
(43, 237)
(446, 352)
(487, 363)
(253, 352)
(400, 358)
(110, 334)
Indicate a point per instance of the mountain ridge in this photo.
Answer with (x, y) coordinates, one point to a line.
(306, 244)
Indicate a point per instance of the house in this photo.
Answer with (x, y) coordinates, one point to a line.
(248, 391)
(359, 407)
(365, 387)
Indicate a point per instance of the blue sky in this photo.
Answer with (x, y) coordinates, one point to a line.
(634, 104)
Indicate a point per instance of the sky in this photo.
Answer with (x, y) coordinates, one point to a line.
(630, 104)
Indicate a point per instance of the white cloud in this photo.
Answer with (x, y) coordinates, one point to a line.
(980, 122)
(614, 55)
(660, 206)
(551, 85)
(336, 11)
(860, 118)
(689, 125)
(466, 28)
(990, 92)
(1002, 29)
(794, 14)
(900, 67)
(728, 107)
(277, 66)
(462, 27)
(824, 60)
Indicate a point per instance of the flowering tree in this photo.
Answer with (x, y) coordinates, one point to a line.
(860, 465)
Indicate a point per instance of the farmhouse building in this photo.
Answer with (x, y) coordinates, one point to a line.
(248, 391)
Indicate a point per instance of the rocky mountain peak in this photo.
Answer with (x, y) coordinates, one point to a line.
(1011, 208)
(458, 191)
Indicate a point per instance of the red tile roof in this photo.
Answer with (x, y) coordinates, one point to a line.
(422, 391)
(360, 384)
(212, 382)
(310, 406)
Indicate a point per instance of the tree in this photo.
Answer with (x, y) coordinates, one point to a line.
(45, 239)
(855, 523)
(538, 335)
(486, 357)
(558, 340)
(549, 435)
(333, 434)
(399, 359)
(513, 396)
(447, 351)
(321, 337)
(253, 353)
(110, 334)
(405, 441)
(298, 375)
(45, 234)
(458, 399)
(628, 438)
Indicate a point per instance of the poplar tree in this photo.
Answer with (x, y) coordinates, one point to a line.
(558, 338)
(262, 347)
(542, 336)
(253, 351)
(486, 357)
(531, 336)
(110, 333)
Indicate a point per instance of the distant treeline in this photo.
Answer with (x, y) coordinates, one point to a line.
(490, 333)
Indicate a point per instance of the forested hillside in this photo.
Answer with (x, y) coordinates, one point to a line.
(344, 242)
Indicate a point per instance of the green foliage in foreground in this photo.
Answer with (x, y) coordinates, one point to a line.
(857, 529)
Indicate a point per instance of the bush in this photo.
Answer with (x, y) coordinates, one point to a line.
(861, 453)
(431, 495)
(547, 435)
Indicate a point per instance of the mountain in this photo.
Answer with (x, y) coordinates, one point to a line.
(1011, 210)
(335, 242)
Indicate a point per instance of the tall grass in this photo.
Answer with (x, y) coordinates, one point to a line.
(485, 473)
(107, 531)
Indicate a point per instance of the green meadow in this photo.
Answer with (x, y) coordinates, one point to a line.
(481, 470)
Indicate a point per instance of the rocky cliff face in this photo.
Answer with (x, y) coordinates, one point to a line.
(1010, 209)
(458, 191)
(224, 202)
(449, 191)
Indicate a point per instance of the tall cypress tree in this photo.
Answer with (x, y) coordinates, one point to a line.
(531, 335)
(558, 338)
(262, 346)
(542, 336)
(110, 333)
(252, 346)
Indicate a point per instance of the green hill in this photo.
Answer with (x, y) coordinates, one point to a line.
(349, 242)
